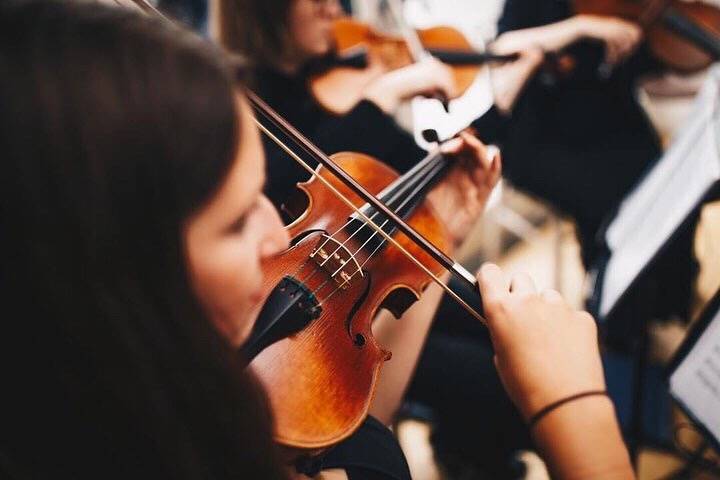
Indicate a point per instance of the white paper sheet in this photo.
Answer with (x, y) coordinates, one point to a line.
(696, 381)
(658, 206)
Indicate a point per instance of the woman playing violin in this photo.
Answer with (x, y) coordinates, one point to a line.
(285, 40)
(224, 236)
(583, 141)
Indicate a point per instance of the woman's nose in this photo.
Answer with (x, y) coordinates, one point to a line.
(276, 239)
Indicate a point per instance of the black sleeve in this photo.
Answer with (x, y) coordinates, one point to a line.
(371, 453)
(366, 128)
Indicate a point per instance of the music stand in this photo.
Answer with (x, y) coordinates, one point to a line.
(650, 218)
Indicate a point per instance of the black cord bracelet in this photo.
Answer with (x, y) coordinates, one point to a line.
(544, 411)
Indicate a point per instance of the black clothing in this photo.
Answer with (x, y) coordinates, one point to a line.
(371, 453)
(583, 142)
(192, 13)
(365, 129)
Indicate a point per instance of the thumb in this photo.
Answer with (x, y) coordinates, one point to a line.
(494, 288)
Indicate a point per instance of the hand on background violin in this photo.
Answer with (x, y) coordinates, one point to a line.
(509, 79)
(620, 37)
(460, 198)
(426, 77)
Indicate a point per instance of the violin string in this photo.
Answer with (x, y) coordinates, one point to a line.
(454, 267)
(423, 182)
(429, 164)
(419, 169)
(351, 276)
(396, 196)
(407, 199)
(302, 265)
(427, 179)
(315, 252)
(410, 174)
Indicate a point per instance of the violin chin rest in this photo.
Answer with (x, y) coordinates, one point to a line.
(289, 309)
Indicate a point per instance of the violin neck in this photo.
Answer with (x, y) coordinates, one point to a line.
(403, 196)
(409, 190)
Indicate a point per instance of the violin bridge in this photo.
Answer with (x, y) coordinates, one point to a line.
(337, 261)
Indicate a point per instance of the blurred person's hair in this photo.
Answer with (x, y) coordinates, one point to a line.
(257, 29)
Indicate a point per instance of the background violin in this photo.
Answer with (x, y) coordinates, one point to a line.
(684, 36)
(363, 54)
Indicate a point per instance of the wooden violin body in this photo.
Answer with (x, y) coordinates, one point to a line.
(693, 49)
(321, 380)
(339, 88)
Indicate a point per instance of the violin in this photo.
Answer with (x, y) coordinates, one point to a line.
(363, 54)
(312, 346)
(684, 36)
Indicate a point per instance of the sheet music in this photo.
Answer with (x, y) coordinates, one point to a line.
(696, 381)
(656, 208)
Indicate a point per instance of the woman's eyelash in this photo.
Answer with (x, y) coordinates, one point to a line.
(239, 224)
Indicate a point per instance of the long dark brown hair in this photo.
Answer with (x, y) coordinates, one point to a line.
(256, 29)
(114, 129)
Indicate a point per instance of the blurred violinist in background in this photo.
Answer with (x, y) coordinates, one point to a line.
(579, 137)
(287, 41)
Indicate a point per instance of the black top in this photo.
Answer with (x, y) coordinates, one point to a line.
(580, 142)
(371, 453)
(585, 106)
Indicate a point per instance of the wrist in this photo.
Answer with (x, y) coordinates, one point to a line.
(532, 402)
(582, 440)
(590, 409)
(383, 102)
(382, 93)
(562, 402)
(578, 27)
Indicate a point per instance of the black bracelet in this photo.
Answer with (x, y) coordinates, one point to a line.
(544, 411)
